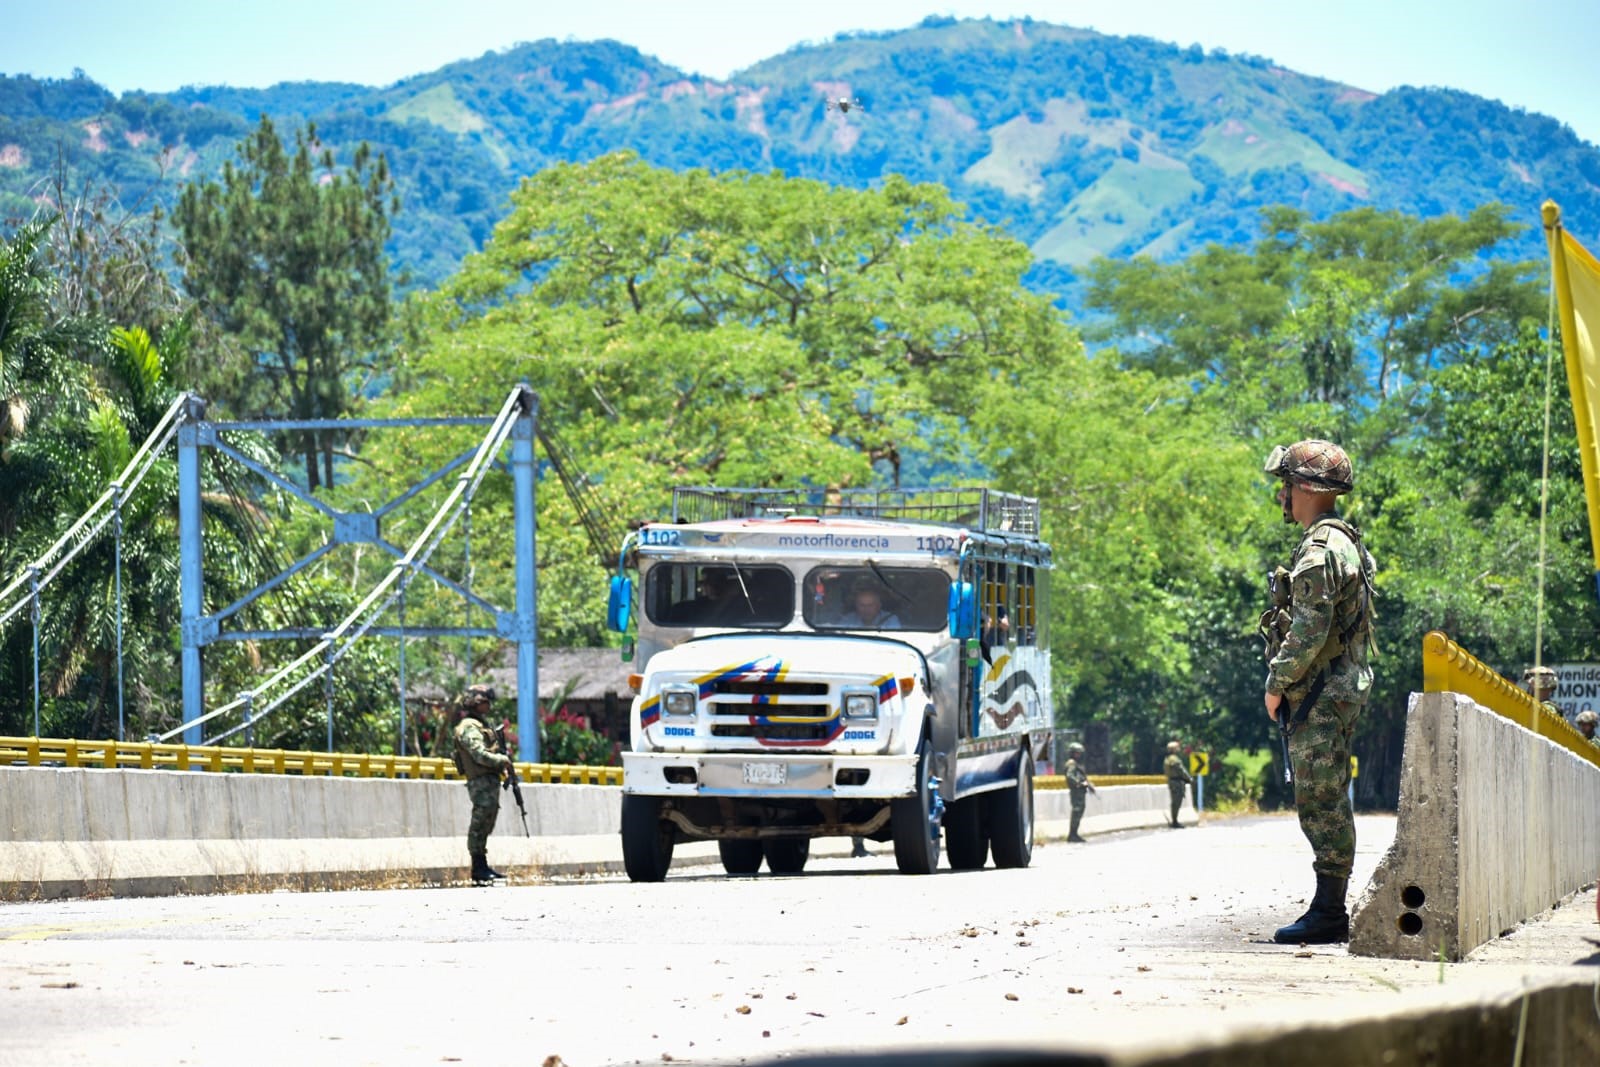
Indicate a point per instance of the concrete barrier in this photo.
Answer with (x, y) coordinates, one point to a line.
(1551, 1022)
(1496, 825)
(126, 832)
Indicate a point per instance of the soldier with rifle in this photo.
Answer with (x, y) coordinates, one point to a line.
(1319, 636)
(481, 759)
(1079, 786)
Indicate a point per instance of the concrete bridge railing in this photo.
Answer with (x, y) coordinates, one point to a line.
(1497, 816)
(76, 831)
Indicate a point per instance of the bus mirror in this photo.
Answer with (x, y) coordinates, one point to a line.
(619, 606)
(963, 616)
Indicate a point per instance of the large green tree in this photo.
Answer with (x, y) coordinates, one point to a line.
(685, 328)
(286, 252)
(1410, 343)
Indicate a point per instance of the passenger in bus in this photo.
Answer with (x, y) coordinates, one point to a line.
(996, 631)
(867, 611)
(719, 601)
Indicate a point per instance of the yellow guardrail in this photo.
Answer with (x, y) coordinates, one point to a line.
(149, 755)
(1059, 781)
(1449, 668)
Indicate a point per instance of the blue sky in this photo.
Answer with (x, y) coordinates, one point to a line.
(1531, 54)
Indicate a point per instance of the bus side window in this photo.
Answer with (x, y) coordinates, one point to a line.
(1026, 608)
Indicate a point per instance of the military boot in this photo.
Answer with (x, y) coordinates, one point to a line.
(496, 875)
(1072, 833)
(481, 874)
(1325, 922)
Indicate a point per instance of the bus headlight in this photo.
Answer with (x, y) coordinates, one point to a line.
(861, 705)
(678, 701)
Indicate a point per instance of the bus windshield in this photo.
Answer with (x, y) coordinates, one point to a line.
(720, 594)
(876, 598)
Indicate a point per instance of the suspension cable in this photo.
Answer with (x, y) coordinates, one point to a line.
(338, 641)
(132, 474)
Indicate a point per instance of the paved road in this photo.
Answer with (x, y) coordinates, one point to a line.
(1134, 939)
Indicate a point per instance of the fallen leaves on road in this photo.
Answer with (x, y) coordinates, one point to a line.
(743, 1009)
(903, 1020)
(1011, 996)
(1142, 967)
(1073, 989)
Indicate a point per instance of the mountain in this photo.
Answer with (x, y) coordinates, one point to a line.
(1078, 143)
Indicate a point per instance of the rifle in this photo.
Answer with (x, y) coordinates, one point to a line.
(512, 782)
(1273, 628)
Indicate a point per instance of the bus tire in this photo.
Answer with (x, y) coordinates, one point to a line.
(916, 832)
(966, 839)
(646, 839)
(787, 855)
(1011, 817)
(740, 856)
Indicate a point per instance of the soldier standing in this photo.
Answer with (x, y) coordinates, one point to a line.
(1542, 684)
(1318, 678)
(480, 761)
(1178, 779)
(1586, 723)
(1079, 786)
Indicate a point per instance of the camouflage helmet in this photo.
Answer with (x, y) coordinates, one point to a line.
(1173, 746)
(1587, 717)
(474, 695)
(1075, 748)
(1320, 466)
(1540, 679)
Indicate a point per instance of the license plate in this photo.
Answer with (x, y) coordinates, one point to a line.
(766, 773)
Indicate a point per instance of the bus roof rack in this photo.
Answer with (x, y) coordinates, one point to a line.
(976, 508)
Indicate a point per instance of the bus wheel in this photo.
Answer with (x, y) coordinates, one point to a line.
(915, 821)
(1011, 818)
(966, 839)
(740, 856)
(646, 839)
(787, 855)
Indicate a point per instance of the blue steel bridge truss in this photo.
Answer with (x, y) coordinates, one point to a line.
(186, 420)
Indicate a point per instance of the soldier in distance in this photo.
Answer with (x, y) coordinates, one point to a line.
(480, 761)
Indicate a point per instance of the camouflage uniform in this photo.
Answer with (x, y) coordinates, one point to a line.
(1079, 786)
(1320, 670)
(482, 764)
(1590, 720)
(1178, 779)
(1542, 684)
(1328, 584)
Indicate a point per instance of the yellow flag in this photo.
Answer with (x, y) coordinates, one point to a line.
(1577, 286)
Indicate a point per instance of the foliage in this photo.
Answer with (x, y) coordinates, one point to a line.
(37, 344)
(741, 330)
(92, 392)
(1238, 781)
(1405, 341)
(286, 253)
(565, 738)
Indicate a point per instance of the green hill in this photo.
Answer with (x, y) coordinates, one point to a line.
(1078, 143)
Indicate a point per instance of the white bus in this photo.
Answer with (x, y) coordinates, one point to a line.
(870, 663)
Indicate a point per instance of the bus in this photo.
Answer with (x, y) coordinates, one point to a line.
(870, 663)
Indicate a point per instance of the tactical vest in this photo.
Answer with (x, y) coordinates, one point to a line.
(1352, 621)
(466, 766)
